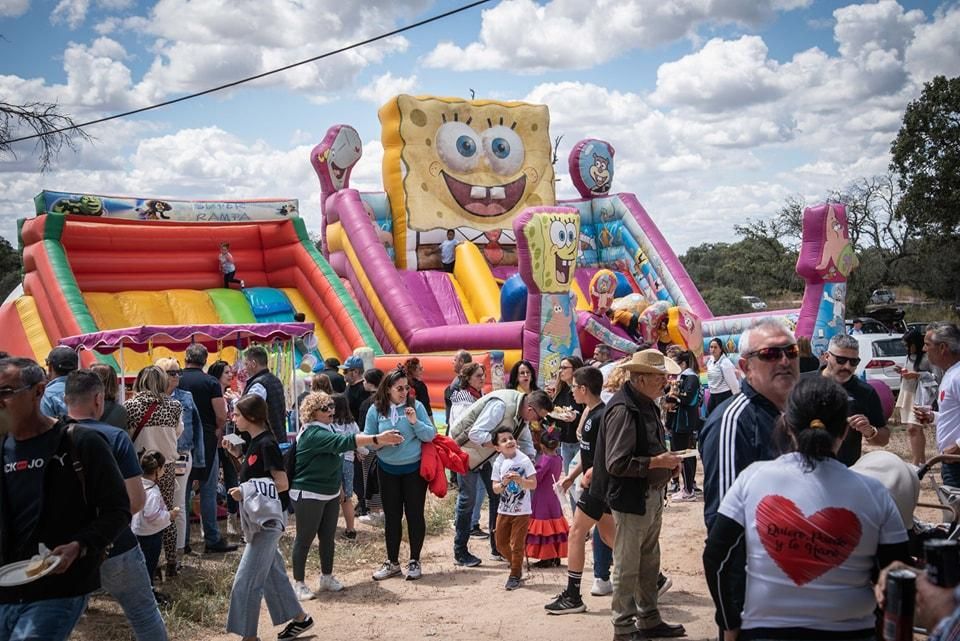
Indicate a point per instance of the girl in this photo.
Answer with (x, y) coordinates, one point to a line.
(150, 523)
(343, 423)
(685, 421)
(721, 375)
(402, 489)
(261, 573)
(917, 389)
(547, 535)
(563, 398)
(418, 389)
(228, 267)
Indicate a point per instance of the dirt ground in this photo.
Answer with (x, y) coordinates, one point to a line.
(469, 604)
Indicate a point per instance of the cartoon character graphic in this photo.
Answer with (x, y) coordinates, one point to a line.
(288, 209)
(82, 206)
(600, 174)
(836, 296)
(602, 287)
(154, 210)
(591, 168)
(837, 257)
(553, 242)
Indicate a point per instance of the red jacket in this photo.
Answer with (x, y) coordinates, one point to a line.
(441, 454)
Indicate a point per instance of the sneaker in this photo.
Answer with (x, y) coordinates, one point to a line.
(387, 570)
(674, 486)
(467, 561)
(601, 587)
(350, 535)
(683, 497)
(414, 571)
(243, 285)
(219, 547)
(547, 563)
(664, 583)
(302, 591)
(478, 533)
(328, 584)
(662, 630)
(372, 518)
(295, 629)
(512, 583)
(496, 556)
(565, 604)
(697, 490)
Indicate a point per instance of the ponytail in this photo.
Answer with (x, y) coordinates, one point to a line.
(151, 461)
(814, 420)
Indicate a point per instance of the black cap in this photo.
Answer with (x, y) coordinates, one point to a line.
(63, 359)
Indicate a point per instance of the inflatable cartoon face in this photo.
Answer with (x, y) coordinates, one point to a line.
(334, 158)
(452, 163)
(553, 240)
(591, 167)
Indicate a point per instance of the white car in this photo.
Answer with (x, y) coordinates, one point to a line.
(880, 355)
(754, 302)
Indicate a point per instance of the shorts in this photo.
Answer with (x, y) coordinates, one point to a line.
(592, 506)
(347, 479)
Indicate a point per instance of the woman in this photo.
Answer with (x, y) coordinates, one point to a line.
(418, 389)
(814, 533)
(315, 487)
(113, 412)
(523, 377)
(563, 398)
(918, 388)
(685, 421)
(402, 489)
(469, 389)
(225, 374)
(808, 362)
(261, 573)
(721, 375)
(154, 423)
(319, 383)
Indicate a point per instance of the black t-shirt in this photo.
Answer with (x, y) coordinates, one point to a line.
(23, 469)
(861, 399)
(261, 457)
(356, 394)
(204, 388)
(568, 430)
(588, 436)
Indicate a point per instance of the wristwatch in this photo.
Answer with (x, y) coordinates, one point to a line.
(376, 440)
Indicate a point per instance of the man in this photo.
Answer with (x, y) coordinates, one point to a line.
(208, 399)
(865, 418)
(473, 432)
(942, 345)
(356, 393)
(856, 328)
(633, 479)
(61, 487)
(60, 362)
(461, 358)
(264, 384)
(124, 572)
(331, 369)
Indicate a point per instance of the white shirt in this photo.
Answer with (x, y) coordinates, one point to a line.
(514, 500)
(811, 541)
(154, 516)
(948, 418)
(722, 376)
(447, 249)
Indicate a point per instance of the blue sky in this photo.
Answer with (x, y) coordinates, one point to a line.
(718, 109)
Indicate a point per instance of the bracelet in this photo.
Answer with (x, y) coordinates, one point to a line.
(874, 435)
(376, 440)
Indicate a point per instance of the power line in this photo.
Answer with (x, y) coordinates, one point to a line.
(236, 83)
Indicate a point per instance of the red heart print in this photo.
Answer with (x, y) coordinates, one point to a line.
(806, 547)
(251, 459)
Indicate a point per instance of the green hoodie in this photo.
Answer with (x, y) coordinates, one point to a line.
(319, 462)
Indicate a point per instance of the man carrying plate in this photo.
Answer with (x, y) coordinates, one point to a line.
(60, 487)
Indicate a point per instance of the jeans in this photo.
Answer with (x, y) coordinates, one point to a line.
(478, 506)
(180, 500)
(151, 546)
(125, 577)
(602, 557)
(466, 499)
(208, 503)
(950, 473)
(315, 519)
(637, 550)
(261, 575)
(403, 494)
(46, 620)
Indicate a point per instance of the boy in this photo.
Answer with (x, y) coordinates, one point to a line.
(513, 477)
(448, 250)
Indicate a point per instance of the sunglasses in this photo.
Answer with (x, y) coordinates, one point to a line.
(174, 372)
(10, 392)
(773, 354)
(843, 360)
(326, 408)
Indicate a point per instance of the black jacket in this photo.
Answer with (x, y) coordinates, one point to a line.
(276, 402)
(65, 516)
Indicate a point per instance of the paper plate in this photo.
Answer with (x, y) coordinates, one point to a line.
(16, 573)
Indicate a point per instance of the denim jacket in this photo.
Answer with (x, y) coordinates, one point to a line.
(191, 426)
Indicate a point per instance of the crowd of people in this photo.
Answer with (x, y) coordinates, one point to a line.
(795, 535)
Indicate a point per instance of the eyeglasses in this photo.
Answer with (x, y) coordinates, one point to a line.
(174, 372)
(843, 360)
(326, 408)
(10, 392)
(773, 354)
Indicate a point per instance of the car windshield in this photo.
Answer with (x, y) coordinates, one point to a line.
(889, 347)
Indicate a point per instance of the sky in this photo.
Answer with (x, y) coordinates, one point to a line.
(719, 110)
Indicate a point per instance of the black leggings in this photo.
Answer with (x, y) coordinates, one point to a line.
(716, 398)
(681, 441)
(403, 494)
(229, 278)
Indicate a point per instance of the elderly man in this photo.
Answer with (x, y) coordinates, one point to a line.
(632, 478)
(942, 345)
(472, 432)
(866, 419)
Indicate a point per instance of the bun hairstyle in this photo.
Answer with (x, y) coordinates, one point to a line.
(814, 419)
(151, 461)
(550, 438)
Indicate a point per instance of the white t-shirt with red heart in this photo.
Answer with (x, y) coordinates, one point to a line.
(811, 540)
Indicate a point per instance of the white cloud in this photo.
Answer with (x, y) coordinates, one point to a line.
(936, 48)
(72, 12)
(600, 29)
(13, 8)
(386, 86)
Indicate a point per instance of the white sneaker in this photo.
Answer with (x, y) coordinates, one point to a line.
(414, 571)
(373, 518)
(386, 571)
(243, 285)
(601, 587)
(329, 584)
(302, 591)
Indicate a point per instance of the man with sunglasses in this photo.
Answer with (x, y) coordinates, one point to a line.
(865, 419)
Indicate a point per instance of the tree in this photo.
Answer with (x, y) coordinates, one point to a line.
(9, 268)
(926, 158)
(54, 128)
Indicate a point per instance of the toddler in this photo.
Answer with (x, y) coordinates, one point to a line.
(547, 535)
(513, 478)
(227, 267)
(149, 523)
(343, 423)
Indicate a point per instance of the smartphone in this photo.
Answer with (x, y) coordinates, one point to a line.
(234, 439)
(411, 400)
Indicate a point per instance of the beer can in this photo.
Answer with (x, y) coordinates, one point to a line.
(899, 599)
(943, 562)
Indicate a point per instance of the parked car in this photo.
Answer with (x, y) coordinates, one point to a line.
(870, 326)
(880, 355)
(754, 302)
(920, 327)
(882, 297)
(891, 316)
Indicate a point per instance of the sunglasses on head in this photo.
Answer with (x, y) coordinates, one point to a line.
(773, 354)
(843, 360)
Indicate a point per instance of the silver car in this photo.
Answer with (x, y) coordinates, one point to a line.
(880, 356)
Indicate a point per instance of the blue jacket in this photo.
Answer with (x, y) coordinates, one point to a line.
(414, 436)
(52, 403)
(738, 432)
(192, 437)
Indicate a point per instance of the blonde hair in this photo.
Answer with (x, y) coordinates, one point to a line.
(617, 377)
(166, 363)
(312, 402)
(152, 380)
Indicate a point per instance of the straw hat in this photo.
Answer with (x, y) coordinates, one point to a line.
(651, 361)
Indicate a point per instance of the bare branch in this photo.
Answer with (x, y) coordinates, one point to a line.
(54, 128)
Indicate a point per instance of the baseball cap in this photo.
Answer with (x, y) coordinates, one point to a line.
(63, 359)
(353, 362)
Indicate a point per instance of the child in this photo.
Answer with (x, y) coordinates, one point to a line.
(228, 267)
(448, 249)
(343, 423)
(149, 523)
(513, 477)
(547, 536)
